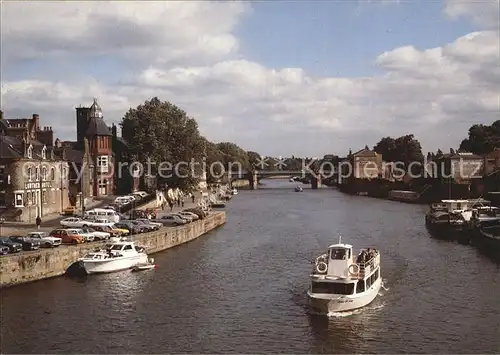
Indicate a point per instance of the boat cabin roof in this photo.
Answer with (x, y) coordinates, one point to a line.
(455, 201)
(340, 246)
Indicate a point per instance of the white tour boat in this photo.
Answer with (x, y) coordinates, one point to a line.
(119, 256)
(342, 282)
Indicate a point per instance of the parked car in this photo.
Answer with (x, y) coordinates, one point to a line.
(143, 226)
(198, 211)
(189, 214)
(26, 242)
(70, 211)
(98, 235)
(113, 231)
(4, 250)
(67, 237)
(128, 225)
(75, 222)
(101, 222)
(187, 218)
(172, 220)
(148, 221)
(14, 247)
(88, 237)
(46, 241)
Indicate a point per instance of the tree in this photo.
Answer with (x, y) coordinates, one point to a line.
(164, 134)
(405, 149)
(254, 159)
(408, 149)
(234, 156)
(482, 139)
(387, 147)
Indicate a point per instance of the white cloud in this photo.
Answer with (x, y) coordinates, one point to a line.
(188, 55)
(485, 13)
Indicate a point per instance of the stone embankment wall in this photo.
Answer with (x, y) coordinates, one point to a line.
(46, 263)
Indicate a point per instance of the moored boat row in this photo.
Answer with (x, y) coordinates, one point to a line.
(473, 222)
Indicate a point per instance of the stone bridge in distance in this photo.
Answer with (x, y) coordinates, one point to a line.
(253, 177)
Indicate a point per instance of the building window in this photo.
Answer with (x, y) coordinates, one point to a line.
(101, 142)
(103, 187)
(30, 152)
(44, 152)
(30, 174)
(3, 199)
(52, 174)
(37, 174)
(44, 197)
(44, 174)
(2, 169)
(102, 163)
(18, 202)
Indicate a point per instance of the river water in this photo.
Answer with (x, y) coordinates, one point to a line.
(242, 289)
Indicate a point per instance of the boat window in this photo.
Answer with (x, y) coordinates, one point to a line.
(360, 287)
(127, 247)
(116, 247)
(333, 288)
(368, 283)
(338, 254)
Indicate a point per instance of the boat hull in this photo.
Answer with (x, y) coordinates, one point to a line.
(324, 303)
(487, 239)
(445, 231)
(118, 264)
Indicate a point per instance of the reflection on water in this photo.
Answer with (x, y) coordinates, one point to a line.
(243, 289)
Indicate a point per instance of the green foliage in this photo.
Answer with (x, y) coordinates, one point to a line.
(233, 157)
(404, 149)
(482, 139)
(162, 132)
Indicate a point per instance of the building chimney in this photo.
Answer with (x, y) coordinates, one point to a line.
(113, 130)
(36, 122)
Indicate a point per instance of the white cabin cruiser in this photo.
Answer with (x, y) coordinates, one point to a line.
(341, 282)
(119, 256)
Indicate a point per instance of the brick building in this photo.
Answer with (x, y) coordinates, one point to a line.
(93, 150)
(33, 178)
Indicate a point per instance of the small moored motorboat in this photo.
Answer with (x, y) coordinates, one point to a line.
(298, 189)
(145, 266)
(118, 256)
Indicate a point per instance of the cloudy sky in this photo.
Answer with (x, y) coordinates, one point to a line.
(280, 78)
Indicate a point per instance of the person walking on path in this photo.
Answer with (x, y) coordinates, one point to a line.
(182, 202)
(193, 198)
(38, 222)
(171, 204)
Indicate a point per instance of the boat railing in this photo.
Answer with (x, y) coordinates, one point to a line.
(368, 265)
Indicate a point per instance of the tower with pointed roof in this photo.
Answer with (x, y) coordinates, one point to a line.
(91, 126)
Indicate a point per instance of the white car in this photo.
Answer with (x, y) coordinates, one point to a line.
(97, 234)
(74, 222)
(186, 217)
(150, 222)
(194, 216)
(86, 236)
(46, 241)
(102, 222)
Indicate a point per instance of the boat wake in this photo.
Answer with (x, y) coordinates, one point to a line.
(356, 311)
